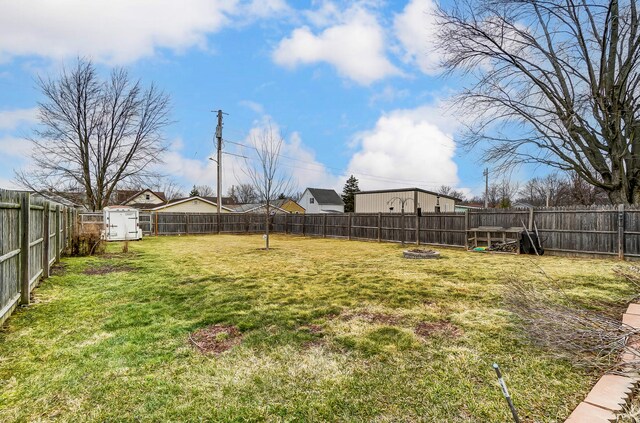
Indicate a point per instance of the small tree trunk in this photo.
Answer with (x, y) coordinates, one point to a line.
(266, 228)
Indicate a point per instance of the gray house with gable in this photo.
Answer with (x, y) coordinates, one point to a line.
(317, 200)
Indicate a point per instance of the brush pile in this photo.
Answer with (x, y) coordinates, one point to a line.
(505, 247)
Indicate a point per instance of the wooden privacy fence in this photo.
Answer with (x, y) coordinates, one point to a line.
(597, 231)
(33, 234)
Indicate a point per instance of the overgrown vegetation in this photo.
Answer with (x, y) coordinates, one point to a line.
(327, 330)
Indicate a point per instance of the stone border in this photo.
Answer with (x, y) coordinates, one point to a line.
(611, 393)
(408, 254)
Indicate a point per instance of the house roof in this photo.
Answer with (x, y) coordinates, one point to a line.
(209, 200)
(246, 208)
(125, 195)
(326, 196)
(408, 190)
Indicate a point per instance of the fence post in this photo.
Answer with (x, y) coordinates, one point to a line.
(25, 208)
(286, 225)
(466, 229)
(379, 227)
(45, 240)
(417, 229)
(324, 225)
(349, 226)
(304, 221)
(155, 218)
(621, 231)
(186, 223)
(57, 239)
(530, 228)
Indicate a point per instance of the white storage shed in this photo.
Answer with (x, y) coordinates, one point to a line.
(121, 223)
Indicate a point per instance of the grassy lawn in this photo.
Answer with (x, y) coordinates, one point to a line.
(331, 331)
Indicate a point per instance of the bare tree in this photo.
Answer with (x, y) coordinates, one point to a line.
(171, 189)
(552, 189)
(553, 83)
(583, 194)
(502, 194)
(202, 191)
(450, 191)
(265, 173)
(96, 133)
(243, 194)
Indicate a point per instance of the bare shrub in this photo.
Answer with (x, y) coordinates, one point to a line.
(87, 243)
(585, 337)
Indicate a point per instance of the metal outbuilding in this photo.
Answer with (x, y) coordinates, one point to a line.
(390, 200)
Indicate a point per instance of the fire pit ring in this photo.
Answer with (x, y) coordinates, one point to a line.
(420, 254)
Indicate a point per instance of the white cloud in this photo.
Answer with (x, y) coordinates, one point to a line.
(408, 147)
(415, 28)
(118, 31)
(266, 8)
(15, 147)
(355, 46)
(11, 119)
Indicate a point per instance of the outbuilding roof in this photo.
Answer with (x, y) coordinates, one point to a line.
(326, 196)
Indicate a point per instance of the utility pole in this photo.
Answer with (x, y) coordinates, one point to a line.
(486, 188)
(219, 162)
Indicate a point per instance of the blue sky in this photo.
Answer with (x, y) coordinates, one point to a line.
(354, 87)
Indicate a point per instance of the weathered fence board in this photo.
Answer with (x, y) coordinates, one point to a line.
(33, 234)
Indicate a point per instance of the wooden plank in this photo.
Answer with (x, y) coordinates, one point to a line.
(25, 291)
(621, 231)
(46, 239)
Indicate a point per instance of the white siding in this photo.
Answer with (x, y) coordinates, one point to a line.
(142, 199)
(314, 207)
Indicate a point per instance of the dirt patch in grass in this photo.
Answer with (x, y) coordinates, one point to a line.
(440, 328)
(128, 255)
(107, 268)
(379, 318)
(215, 339)
(57, 269)
(315, 329)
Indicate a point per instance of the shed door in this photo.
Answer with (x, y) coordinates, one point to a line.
(123, 225)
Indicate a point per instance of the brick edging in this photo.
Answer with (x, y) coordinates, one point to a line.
(611, 393)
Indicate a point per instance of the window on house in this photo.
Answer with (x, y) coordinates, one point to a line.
(148, 197)
(312, 200)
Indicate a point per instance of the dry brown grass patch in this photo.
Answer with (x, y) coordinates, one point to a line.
(216, 339)
(107, 268)
(371, 317)
(429, 329)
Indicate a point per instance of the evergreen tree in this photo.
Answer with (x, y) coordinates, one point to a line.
(348, 194)
(194, 191)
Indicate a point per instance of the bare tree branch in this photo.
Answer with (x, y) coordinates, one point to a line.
(95, 134)
(554, 82)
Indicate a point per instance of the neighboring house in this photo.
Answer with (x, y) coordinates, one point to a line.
(389, 201)
(289, 205)
(195, 204)
(316, 200)
(139, 199)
